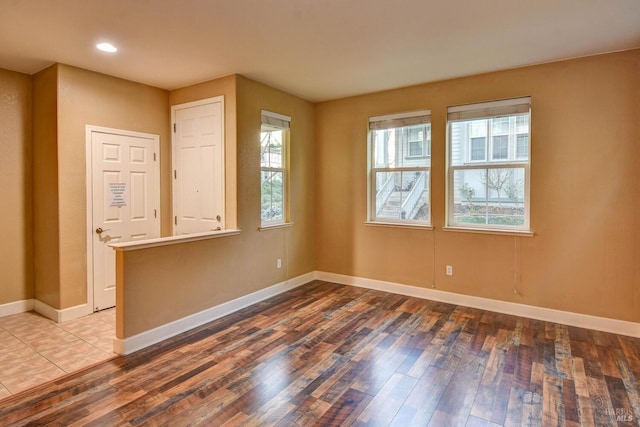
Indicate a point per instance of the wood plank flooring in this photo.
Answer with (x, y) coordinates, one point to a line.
(331, 355)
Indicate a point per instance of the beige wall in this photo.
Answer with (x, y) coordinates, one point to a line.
(167, 283)
(45, 187)
(585, 196)
(226, 87)
(295, 244)
(584, 257)
(88, 98)
(16, 223)
(66, 100)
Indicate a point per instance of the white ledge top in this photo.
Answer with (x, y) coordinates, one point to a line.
(172, 240)
(500, 232)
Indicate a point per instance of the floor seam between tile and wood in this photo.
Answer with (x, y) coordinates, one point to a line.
(326, 354)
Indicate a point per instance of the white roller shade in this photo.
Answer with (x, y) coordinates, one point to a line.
(275, 120)
(390, 121)
(505, 107)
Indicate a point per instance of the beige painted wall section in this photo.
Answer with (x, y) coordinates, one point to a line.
(295, 244)
(160, 285)
(45, 187)
(16, 224)
(225, 86)
(88, 98)
(585, 196)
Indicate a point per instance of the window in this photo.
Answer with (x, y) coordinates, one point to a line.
(500, 147)
(274, 165)
(522, 146)
(400, 163)
(478, 148)
(489, 192)
(418, 141)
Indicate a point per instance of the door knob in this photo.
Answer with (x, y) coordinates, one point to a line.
(99, 230)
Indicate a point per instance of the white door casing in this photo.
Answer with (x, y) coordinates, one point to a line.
(123, 197)
(198, 166)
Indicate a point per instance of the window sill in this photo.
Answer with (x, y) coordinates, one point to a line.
(521, 233)
(398, 225)
(275, 226)
(172, 240)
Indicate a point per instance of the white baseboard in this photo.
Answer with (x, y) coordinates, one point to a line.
(604, 324)
(44, 309)
(16, 307)
(153, 336)
(61, 315)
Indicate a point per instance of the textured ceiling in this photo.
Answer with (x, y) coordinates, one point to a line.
(316, 49)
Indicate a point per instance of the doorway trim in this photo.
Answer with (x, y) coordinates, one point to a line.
(89, 130)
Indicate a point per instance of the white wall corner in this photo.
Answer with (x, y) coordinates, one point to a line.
(153, 336)
(16, 307)
(61, 315)
(604, 324)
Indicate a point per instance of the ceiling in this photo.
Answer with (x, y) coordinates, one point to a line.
(315, 49)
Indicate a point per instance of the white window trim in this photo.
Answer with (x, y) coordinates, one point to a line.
(486, 166)
(515, 154)
(488, 110)
(492, 149)
(470, 150)
(387, 121)
(423, 145)
(277, 121)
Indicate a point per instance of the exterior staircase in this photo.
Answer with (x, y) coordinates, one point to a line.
(391, 208)
(403, 201)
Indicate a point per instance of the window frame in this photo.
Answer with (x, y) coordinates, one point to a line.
(398, 121)
(484, 149)
(488, 111)
(517, 137)
(271, 122)
(493, 148)
(424, 143)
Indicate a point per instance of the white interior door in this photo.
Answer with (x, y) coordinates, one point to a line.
(198, 161)
(125, 197)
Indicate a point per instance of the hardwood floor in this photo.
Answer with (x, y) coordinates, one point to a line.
(326, 354)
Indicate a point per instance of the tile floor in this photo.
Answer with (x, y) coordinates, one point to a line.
(34, 349)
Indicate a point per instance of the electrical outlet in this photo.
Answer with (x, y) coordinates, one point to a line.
(279, 263)
(449, 270)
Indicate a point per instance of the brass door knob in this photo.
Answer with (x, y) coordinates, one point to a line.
(99, 230)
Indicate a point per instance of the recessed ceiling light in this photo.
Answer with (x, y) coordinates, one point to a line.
(107, 47)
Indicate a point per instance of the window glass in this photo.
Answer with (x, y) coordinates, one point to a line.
(501, 147)
(416, 148)
(489, 192)
(400, 168)
(522, 146)
(272, 196)
(271, 147)
(274, 166)
(500, 125)
(478, 146)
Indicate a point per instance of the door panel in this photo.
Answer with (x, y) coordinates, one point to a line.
(199, 161)
(125, 188)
